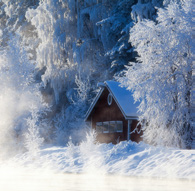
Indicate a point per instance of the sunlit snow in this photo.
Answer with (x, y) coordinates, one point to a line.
(105, 167)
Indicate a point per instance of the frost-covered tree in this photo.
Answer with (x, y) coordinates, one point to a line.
(162, 76)
(114, 34)
(51, 22)
(119, 22)
(12, 18)
(19, 93)
(92, 42)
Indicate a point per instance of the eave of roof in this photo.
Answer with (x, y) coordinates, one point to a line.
(94, 103)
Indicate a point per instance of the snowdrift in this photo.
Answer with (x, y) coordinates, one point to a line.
(125, 158)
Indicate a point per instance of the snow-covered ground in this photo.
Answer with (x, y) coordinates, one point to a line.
(106, 167)
(125, 158)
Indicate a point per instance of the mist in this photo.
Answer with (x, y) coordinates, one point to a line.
(19, 99)
(49, 181)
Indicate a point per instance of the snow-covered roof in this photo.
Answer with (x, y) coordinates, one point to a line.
(122, 97)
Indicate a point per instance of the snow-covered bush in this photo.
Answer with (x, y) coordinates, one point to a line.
(162, 76)
(33, 140)
(90, 153)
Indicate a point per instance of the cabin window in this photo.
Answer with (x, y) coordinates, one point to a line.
(106, 127)
(112, 127)
(109, 99)
(109, 127)
(119, 126)
(99, 127)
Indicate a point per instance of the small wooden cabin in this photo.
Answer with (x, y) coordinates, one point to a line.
(113, 114)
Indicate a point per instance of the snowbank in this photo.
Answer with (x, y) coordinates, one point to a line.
(125, 158)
